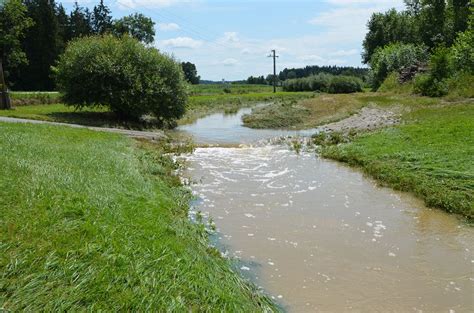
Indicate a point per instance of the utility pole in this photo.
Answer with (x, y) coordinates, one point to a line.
(274, 56)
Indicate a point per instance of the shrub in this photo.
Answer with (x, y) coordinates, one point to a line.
(345, 84)
(460, 85)
(441, 64)
(427, 85)
(122, 74)
(392, 84)
(463, 52)
(393, 58)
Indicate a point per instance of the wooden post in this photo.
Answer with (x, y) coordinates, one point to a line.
(4, 97)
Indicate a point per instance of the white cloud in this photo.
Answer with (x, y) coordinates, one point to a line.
(344, 53)
(245, 51)
(229, 62)
(230, 37)
(181, 42)
(168, 26)
(312, 58)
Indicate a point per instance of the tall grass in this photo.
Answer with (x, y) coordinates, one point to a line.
(91, 221)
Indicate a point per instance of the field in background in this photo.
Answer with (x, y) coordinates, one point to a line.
(225, 88)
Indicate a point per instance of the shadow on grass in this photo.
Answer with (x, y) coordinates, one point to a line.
(105, 119)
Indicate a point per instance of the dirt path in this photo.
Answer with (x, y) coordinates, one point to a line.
(366, 119)
(151, 135)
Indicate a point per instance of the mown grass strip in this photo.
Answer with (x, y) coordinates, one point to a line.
(96, 221)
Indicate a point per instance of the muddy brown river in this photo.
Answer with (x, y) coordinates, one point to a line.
(318, 236)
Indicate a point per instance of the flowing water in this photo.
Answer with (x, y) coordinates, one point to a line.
(319, 236)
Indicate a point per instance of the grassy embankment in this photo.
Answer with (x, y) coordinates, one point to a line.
(96, 221)
(204, 100)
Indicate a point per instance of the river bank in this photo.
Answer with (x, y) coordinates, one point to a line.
(416, 144)
(97, 221)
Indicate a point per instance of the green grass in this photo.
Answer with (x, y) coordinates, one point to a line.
(200, 106)
(91, 221)
(213, 89)
(20, 98)
(431, 155)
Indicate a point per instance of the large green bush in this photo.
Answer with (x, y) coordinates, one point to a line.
(345, 84)
(393, 58)
(123, 75)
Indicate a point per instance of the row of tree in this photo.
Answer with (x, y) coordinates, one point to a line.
(33, 33)
(292, 73)
(310, 70)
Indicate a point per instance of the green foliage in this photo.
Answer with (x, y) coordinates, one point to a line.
(460, 85)
(440, 63)
(344, 84)
(190, 73)
(319, 82)
(137, 26)
(430, 154)
(311, 70)
(427, 85)
(14, 23)
(91, 221)
(123, 75)
(386, 28)
(101, 19)
(463, 52)
(324, 83)
(392, 84)
(393, 58)
(260, 80)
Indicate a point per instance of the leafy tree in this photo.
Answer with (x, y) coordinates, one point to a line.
(433, 19)
(14, 23)
(136, 25)
(80, 22)
(105, 71)
(64, 32)
(393, 58)
(101, 19)
(260, 80)
(462, 52)
(316, 69)
(42, 45)
(386, 28)
(190, 72)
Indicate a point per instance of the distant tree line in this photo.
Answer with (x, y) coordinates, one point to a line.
(291, 73)
(311, 70)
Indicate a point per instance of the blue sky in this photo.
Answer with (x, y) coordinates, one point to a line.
(231, 39)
